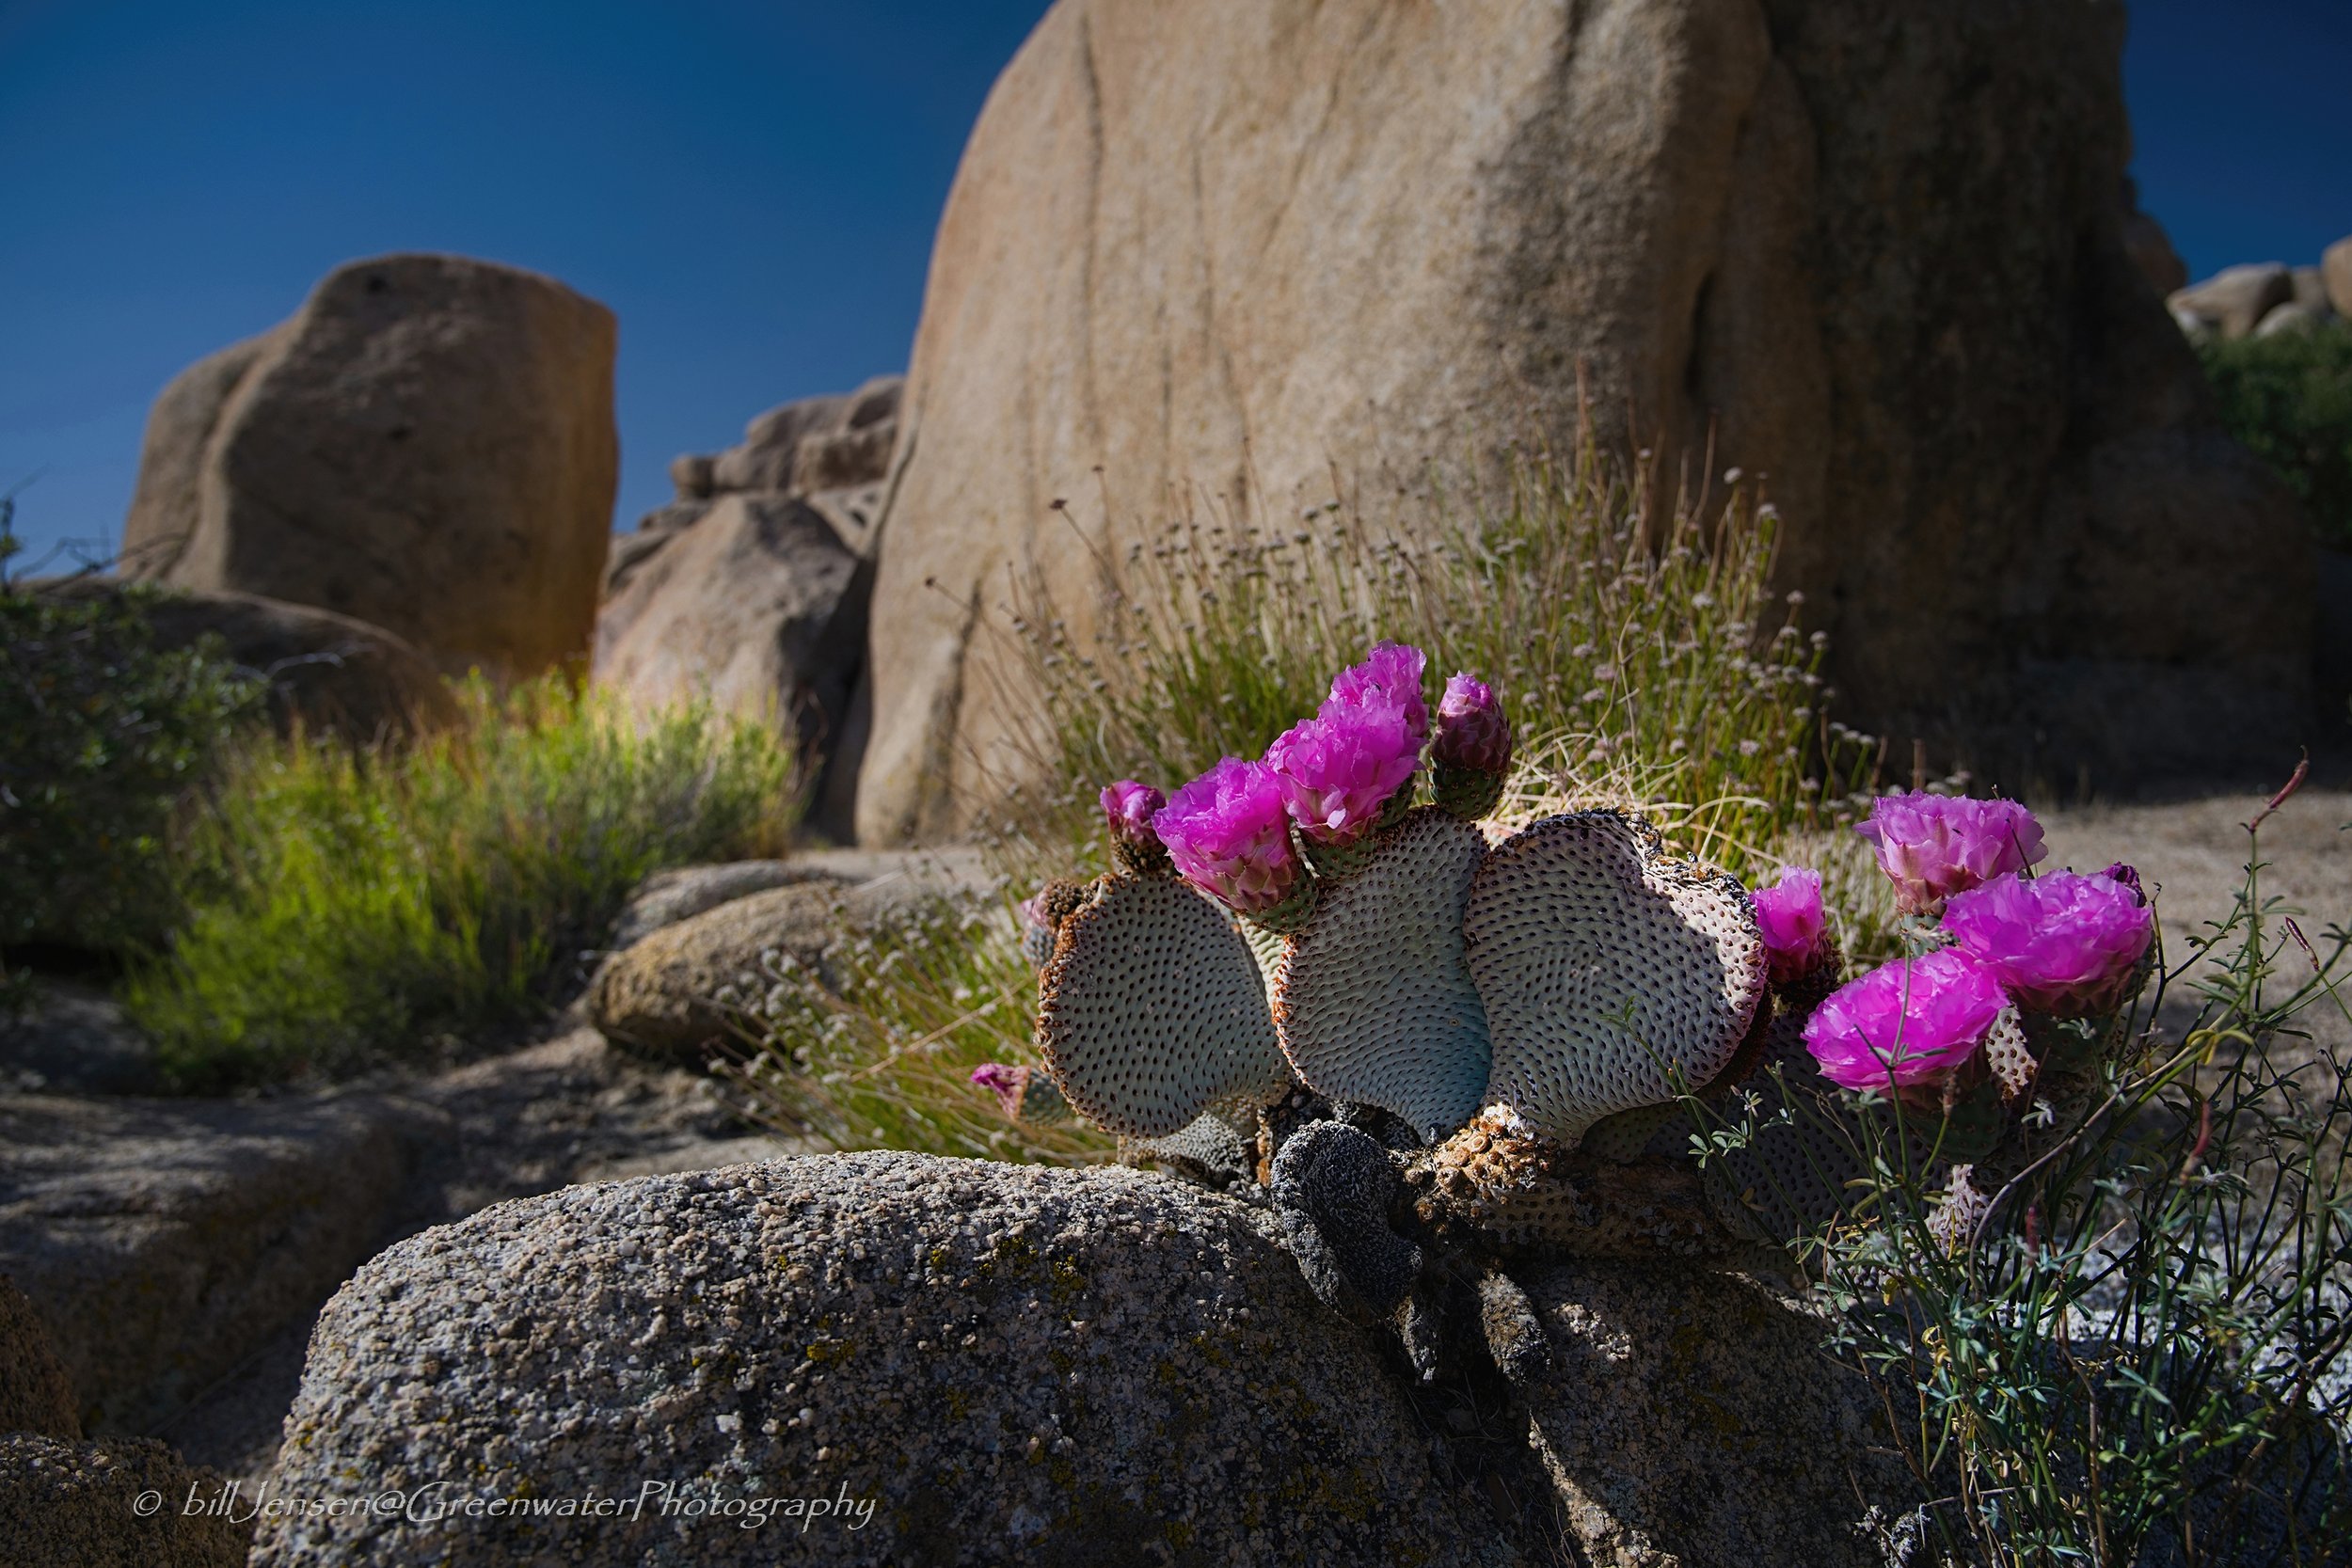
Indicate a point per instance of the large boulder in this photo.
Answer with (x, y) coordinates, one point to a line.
(36, 1396)
(1876, 253)
(757, 606)
(967, 1363)
(427, 445)
(2234, 300)
(659, 996)
(162, 1242)
(2335, 274)
(123, 1502)
(324, 671)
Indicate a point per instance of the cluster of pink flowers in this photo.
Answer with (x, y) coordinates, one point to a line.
(1339, 770)
(1795, 926)
(2064, 944)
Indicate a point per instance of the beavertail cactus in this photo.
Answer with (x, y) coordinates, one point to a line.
(1613, 976)
(1228, 836)
(1932, 847)
(1152, 1012)
(1023, 1093)
(1216, 1148)
(1372, 1000)
(1343, 774)
(1332, 1184)
(1389, 674)
(1043, 913)
(1470, 758)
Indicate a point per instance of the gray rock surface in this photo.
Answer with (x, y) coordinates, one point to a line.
(1217, 249)
(71, 1038)
(2335, 272)
(1691, 1418)
(2151, 250)
(162, 1241)
(123, 1502)
(35, 1394)
(2292, 317)
(658, 995)
(329, 671)
(427, 446)
(2311, 290)
(667, 897)
(1009, 1364)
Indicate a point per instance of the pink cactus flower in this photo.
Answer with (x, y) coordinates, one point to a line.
(1007, 1082)
(1934, 845)
(1394, 669)
(1796, 931)
(1338, 770)
(1913, 1021)
(2119, 872)
(2065, 945)
(1129, 807)
(1229, 837)
(1472, 732)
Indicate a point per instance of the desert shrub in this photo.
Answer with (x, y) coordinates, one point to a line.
(347, 907)
(2130, 1346)
(102, 737)
(2288, 397)
(1628, 627)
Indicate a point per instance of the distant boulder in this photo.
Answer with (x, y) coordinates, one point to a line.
(427, 445)
(2235, 300)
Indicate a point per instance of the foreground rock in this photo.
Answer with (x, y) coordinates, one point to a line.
(968, 1363)
(1372, 235)
(328, 672)
(124, 1503)
(1689, 1417)
(161, 1241)
(427, 446)
(36, 1396)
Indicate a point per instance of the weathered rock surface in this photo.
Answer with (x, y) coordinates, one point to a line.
(1689, 1417)
(36, 1396)
(162, 1241)
(2335, 272)
(427, 446)
(752, 586)
(2151, 248)
(1236, 240)
(757, 606)
(86, 1505)
(328, 671)
(657, 996)
(2236, 299)
(1006, 1363)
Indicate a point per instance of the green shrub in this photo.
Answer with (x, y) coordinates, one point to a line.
(346, 909)
(102, 737)
(2288, 397)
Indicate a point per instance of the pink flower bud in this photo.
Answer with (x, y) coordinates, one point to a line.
(1338, 770)
(1129, 807)
(1796, 931)
(1393, 670)
(1934, 845)
(2064, 944)
(1006, 1082)
(2119, 872)
(1912, 1021)
(1229, 837)
(1472, 732)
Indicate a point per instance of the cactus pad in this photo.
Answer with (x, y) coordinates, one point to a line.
(1152, 1012)
(1331, 1189)
(1216, 1148)
(1605, 965)
(1372, 1001)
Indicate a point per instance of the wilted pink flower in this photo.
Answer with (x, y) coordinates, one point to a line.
(2121, 873)
(1796, 932)
(1007, 1082)
(1910, 1021)
(1934, 845)
(1472, 732)
(2063, 943)
(1128, 806)
(1337, 771)
(1229, 837)
(1394, 669)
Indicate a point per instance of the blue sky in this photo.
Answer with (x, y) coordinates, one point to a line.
(751, 187)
